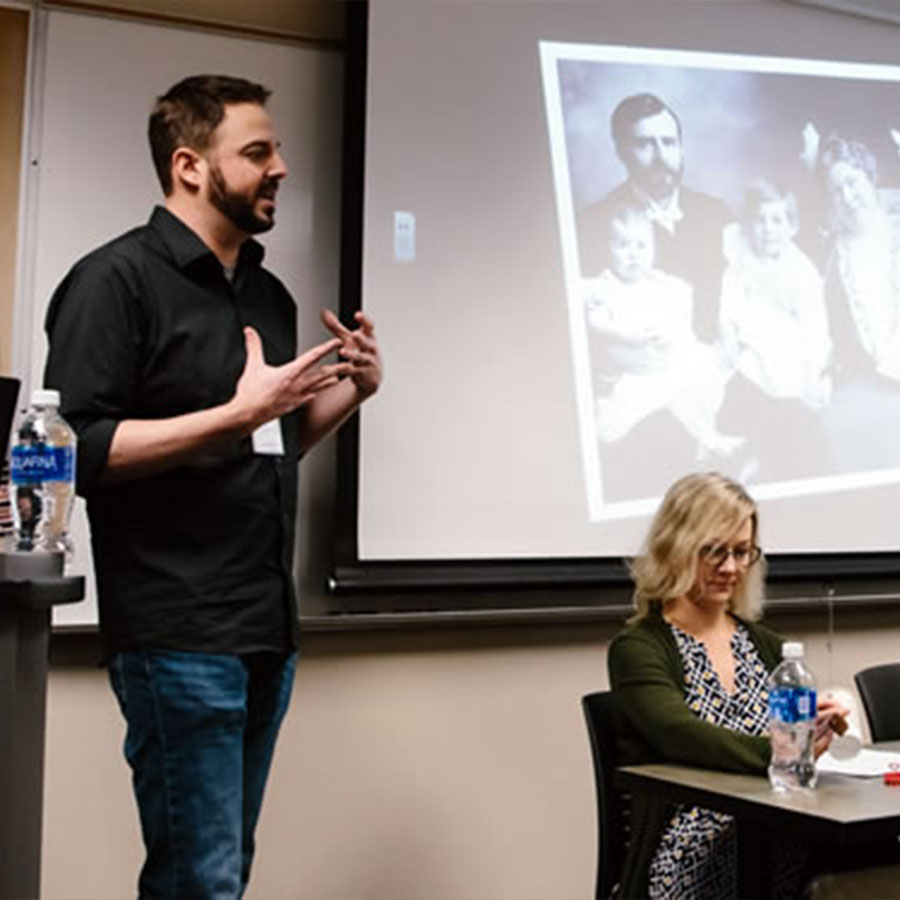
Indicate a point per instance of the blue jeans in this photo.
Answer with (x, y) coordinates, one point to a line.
(201, 733)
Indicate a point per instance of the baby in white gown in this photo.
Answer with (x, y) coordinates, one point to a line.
(645, 356)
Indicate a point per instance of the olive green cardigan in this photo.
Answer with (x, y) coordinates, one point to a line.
(653, 724)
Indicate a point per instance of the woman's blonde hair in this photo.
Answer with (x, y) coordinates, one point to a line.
(698, 510)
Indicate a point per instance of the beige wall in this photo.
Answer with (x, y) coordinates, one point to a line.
(441, 765)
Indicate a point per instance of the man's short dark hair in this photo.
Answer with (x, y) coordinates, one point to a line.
(634, 108)
(188, 113)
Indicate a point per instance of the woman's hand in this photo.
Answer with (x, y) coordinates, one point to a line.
(828, 713)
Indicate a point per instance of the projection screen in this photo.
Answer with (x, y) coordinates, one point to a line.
(606, 244)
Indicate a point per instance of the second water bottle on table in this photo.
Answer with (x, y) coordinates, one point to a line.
(792, 721)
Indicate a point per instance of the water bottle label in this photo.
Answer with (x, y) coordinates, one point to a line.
(791, 705)
(33, 465)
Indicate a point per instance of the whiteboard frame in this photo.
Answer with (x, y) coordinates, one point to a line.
(307, 231)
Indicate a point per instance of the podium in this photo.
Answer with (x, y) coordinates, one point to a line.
(31, 584)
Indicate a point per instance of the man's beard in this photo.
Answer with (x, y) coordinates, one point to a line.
(238, 208)
(661, 180)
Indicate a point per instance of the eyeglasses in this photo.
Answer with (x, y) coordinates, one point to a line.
(744, 556)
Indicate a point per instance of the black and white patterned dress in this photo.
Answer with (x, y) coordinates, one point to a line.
(5, 509)
(697, 854)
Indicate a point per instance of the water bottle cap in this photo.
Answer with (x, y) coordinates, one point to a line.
(44, 397)
(792, 649)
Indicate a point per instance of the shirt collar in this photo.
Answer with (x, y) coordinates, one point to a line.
(667, 215)
(186, 246)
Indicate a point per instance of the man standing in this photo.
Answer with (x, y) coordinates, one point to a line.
(175, 353)
(687, 224)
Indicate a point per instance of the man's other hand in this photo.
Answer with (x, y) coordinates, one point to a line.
(360, 348)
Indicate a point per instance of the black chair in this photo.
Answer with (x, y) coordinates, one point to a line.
(879, 687)
(878, 881)
(612, 804)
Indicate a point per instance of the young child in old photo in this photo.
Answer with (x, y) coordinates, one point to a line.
(644, 354)
(773, 322)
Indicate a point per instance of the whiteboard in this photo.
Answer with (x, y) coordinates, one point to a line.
(91, 178)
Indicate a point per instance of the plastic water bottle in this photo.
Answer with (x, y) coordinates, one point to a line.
(792, 719)
(42, 477)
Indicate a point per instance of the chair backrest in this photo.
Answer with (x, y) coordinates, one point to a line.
(612, 804)
(879, 687)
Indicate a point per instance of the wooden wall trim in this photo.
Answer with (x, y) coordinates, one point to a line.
(321, 26)
(13, 70)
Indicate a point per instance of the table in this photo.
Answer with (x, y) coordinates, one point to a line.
(841, 811)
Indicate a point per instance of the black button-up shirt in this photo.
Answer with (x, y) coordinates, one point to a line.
(198, 558)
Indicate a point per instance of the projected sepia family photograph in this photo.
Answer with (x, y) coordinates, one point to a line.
(730, 234)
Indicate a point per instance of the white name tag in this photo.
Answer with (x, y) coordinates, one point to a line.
(267, 439)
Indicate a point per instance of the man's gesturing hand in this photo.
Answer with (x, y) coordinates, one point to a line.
(265, 392)
(360, 348)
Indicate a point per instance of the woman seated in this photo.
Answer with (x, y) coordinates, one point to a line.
(691, 670)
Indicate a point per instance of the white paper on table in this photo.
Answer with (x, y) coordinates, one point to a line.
(866, 763)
